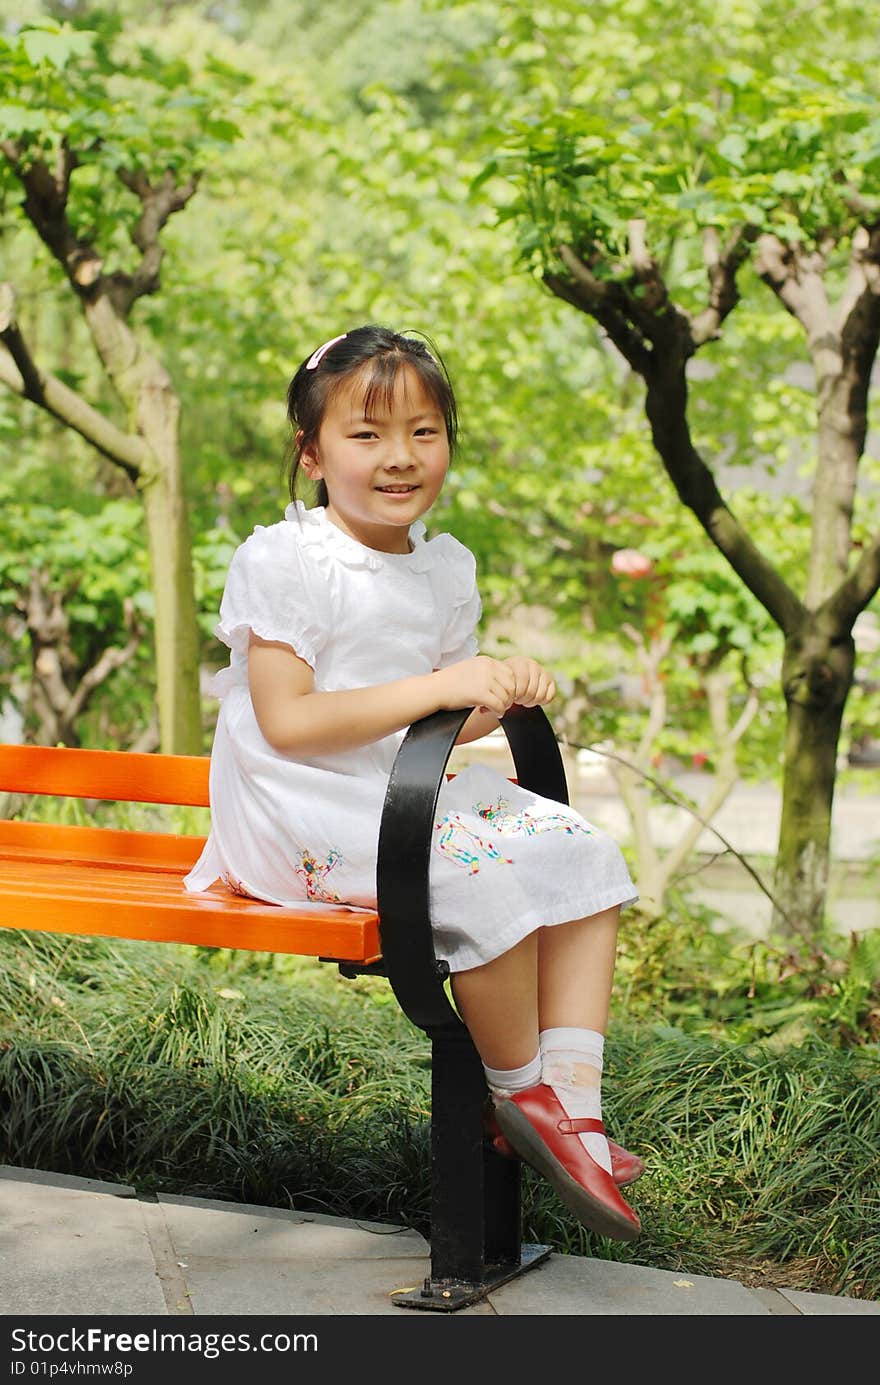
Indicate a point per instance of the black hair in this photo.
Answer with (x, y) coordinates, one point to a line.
(380, 354)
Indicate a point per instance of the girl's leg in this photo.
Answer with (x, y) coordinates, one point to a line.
(576, 972)
(575, 975)
(499, 1004)
(556, 977)
(568, 982)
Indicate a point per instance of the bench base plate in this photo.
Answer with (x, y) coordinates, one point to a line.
(446, 1295)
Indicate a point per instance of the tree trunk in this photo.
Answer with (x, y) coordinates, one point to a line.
(176, 632)
(819, 661)
(146, 389)
(817, 675)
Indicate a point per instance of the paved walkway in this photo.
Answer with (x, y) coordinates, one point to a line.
(74, 1246)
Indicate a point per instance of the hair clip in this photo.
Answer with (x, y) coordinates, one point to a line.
(317, 356)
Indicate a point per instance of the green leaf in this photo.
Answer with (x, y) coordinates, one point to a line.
(704, 643)
(19, 120)
(733, 148)
(225, 130)
(488, 171)
(55, 47)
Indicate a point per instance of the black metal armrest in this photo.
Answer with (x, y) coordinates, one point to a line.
(405, 841)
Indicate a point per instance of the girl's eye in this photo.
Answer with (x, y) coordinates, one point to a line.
(365, 434)
(426, 432)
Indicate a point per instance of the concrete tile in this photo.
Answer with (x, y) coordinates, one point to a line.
(824, 1305)
(68, 1250)
(775, 1303)
(568, 1286)
(322, 1286)
(249, 1235)
(168, 1271)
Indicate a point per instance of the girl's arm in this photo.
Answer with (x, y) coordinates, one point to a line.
(295, 719)
(478, 724)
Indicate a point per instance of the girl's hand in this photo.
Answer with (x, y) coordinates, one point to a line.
(533, 685)
(488, 684)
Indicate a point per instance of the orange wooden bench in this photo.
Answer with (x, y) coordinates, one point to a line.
(124, 884)
(108, 882)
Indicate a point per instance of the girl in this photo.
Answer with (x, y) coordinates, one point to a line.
(346, 625)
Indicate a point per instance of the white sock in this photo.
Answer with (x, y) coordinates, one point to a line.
(505, 1081)
(572, 1062)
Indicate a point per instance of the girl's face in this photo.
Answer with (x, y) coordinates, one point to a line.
(382, 472)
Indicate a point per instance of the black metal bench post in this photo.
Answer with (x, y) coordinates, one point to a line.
(475, 1194)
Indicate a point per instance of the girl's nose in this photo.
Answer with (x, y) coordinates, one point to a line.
(401, 457)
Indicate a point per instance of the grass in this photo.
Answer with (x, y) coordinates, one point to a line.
(274, 1081)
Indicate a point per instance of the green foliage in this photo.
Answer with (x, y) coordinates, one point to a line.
(95, 558)
(98, 558)
(764, 1161)
(212, 553)
(684, 970)
(119, 104)
(783, 154)
(673, 116)
(209, 1077)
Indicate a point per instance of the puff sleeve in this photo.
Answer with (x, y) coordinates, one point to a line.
(273, 588)
(459, 640)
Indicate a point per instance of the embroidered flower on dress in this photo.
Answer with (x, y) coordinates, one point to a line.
(313, 872)
(526, 823)
(235, 886)
(461, 845)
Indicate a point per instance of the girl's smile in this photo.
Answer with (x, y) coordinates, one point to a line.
(383, 465)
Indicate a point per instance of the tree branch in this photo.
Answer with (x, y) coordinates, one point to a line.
(112, 658)
(21, 374)
(662, 364)
(159, 202)
(681, 803)
(648, 304)
(592, 296)
(45, 204)
(858, 312)
(746, 716)
(12, 339)
(666, 406)
(59, 691)
(727, 774)
(858, 588)
(866, 209)
(639, 316)
(653, 298)
(797, 281)
(643, 263)
(721, 266)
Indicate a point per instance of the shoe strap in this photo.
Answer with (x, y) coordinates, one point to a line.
(583, 1125)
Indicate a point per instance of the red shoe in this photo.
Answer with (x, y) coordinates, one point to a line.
(542, 1134)
(626, 1168)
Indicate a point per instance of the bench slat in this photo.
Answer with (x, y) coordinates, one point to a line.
(123, 775)
(152, 906)
(104, 846)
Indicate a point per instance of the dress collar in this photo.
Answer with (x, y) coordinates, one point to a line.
(321, 532)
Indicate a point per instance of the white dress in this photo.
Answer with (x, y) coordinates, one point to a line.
(304, 830)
